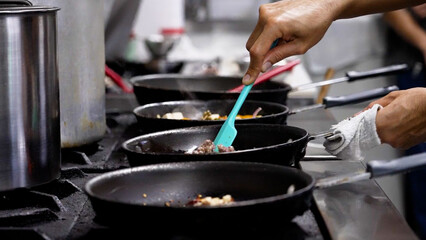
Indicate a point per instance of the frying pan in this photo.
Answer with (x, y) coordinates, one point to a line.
(168, 87)
(273, 113)
(158, 194)
(268, 143)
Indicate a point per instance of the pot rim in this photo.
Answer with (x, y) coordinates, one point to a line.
(27, 9)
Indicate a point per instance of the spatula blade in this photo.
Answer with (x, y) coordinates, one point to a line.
(226, 135)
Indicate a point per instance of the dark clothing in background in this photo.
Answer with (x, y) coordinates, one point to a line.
(401, 51)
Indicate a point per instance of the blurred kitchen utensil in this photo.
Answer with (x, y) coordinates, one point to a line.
(270, 74)
(324, 89)
(117, 79)
(159, 45)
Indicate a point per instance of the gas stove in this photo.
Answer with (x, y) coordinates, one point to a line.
(61, 210)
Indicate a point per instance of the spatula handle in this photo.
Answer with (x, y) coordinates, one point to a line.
(243, 95)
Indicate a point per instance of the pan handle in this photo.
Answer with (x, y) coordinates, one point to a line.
(358, 97)
(403, 164)
(324, 134)
(376, 169)
(354, 75)
(329, 102)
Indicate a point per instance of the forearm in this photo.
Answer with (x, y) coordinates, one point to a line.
(355, 8)
(402, 22)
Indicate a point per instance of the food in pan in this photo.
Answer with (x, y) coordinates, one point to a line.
(173, 115)
(207, 115)
(211, 201)
(208, 147)
(291, 189)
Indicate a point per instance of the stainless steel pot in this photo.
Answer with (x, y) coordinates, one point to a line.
(29, 96)
(81, 61)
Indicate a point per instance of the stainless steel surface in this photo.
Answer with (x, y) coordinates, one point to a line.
(81, 60)
(319, 84)
(29, 99)
(307, 108)
(358, 210)
(342, 179)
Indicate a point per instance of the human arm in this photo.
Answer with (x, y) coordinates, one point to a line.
(401, 122)
(404, 24)
(300, 24)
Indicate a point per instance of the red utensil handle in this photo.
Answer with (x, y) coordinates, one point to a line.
(117, 79)
(270, 74)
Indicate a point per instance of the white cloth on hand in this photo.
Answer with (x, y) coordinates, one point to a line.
(354, 136)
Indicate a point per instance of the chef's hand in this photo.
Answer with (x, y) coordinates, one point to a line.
(298, 24)
(401, 122)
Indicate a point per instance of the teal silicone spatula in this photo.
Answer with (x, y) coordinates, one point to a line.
(227, 132)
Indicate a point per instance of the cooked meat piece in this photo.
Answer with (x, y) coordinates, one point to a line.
(208, 147)
(222, 148)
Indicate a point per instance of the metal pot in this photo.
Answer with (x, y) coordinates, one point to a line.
(81, 61)
(29, 100)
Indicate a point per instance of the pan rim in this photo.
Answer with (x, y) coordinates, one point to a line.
(244, 203)
(125, 144)
(136, 82)
(285, 109)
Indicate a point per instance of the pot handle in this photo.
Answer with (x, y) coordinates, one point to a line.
(376, 169)
(15, 3)
(403, 164)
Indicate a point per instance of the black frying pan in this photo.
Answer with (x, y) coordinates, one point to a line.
(273, 113)
(158, 195)
(254, 143)
(169, 87)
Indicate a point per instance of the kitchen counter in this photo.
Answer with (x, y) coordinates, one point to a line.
(358, 210)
